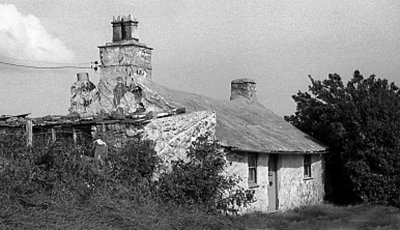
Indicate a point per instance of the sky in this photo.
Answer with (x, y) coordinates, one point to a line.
(200, 46)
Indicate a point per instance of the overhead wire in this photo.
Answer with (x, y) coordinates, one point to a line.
(46, 67)
(56, 65)
(49, 62)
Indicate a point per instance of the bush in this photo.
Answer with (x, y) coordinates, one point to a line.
(360, 124)
(200, 180)
(58, 186)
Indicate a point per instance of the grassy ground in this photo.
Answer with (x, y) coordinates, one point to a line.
(103, 213)
(327, 217)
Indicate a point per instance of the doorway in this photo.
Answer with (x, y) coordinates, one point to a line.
(272, 183)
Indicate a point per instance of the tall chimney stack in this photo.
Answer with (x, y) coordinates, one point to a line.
(243, 88)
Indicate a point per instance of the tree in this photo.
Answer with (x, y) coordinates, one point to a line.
(360, 123)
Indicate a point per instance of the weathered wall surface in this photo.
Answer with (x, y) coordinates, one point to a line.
(122, 79)
(131, 53)
(239, 167)
(125, 68)
(174, 135)
(293, 189)
(171, 135)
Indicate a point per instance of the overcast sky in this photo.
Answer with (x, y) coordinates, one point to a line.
(199, 45)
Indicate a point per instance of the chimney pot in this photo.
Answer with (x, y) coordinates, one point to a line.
(125, 28)
(243, 88)
(117, 30)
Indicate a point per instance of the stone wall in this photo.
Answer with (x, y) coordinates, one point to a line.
(293, 189)
(174, 135)
(132, 54)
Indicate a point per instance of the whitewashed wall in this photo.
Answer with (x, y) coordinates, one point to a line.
(293, 189)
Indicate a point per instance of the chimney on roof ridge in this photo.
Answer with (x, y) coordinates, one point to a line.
(125, 28)
(243, 88)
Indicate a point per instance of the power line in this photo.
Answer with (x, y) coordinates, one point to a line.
(46, 67)
(49, 62)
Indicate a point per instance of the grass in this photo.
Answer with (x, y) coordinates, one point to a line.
(326, 216)
(110, 214)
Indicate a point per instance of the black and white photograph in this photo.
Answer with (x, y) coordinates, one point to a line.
(207, 114)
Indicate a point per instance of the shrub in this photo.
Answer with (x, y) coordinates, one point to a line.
(200, 180)
(360, 124)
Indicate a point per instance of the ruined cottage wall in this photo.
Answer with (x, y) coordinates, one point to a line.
(174, 135)
(293, 189)
(239, 166)
(171, 135)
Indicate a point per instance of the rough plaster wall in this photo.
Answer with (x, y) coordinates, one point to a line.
(174, 135)
(239, 167)
(293, 189)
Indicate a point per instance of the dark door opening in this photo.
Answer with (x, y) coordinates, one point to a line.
(272, 183)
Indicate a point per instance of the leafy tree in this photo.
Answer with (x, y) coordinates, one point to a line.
(360, 123)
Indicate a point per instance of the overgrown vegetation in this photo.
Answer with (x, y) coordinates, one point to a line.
(201, 180)
(360, 123)
(59, 186)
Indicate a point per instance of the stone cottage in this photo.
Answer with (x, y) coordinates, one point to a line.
(283, 165)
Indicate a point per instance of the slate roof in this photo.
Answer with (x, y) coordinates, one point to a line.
(76, 120)
(247, 127)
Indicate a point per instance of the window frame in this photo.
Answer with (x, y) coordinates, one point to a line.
(307, 166)
(252, 169)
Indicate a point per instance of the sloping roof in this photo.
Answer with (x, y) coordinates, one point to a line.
(248, 127)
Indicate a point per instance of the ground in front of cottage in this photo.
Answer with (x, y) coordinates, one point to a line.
(326, 217)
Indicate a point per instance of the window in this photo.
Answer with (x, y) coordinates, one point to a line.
(252, 161)
(307, 166)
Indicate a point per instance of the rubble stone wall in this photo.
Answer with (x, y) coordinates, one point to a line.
(171, 135)
(129, 54)
(174, 135)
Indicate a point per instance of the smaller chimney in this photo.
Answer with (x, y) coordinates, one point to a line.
(243, 88)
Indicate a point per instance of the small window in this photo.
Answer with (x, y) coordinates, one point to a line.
(307, 166)
(252, 161)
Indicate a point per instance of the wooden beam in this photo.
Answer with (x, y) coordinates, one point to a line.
(29, 133)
